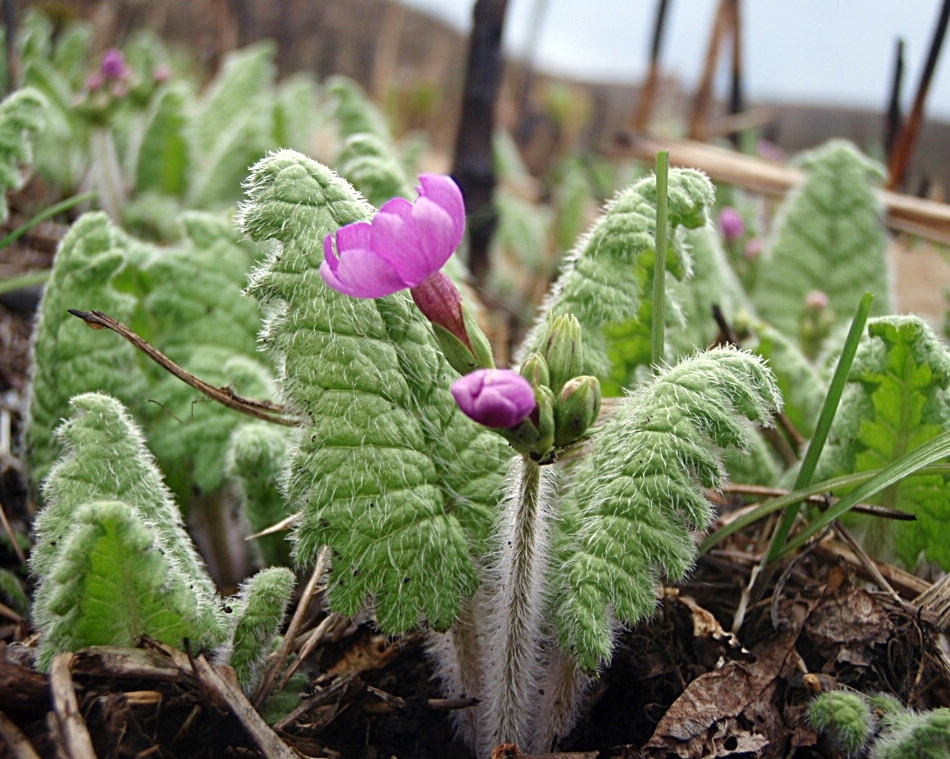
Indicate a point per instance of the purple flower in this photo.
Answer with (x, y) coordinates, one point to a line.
(402, 246)
(731, 224)
(113, 66)
(499, 398)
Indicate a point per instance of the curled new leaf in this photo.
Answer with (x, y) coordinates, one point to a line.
(607, 278)
(259, 610)
(112, 556)
(830, 238)
(638, 496)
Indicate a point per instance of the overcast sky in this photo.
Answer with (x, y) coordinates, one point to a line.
(838, 52)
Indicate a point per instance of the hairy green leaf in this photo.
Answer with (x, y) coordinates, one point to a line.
(895, 401)
(637, 498)
(111, 583)
(68, 357)
(163, 159)
(830, 239)
(386, 469)
(258, 612)
(607, 278)
(255, 461)
(84, 550)
(22, 116)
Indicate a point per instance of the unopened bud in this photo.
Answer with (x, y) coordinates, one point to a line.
(577, 407)
(535, 369)
(534, 437)
(462, 342)
(564, 350)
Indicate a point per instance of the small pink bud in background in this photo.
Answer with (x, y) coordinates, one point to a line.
(753, 249)
(162, 73)
(497, 398)
(402, 246)
(731, 224)
(770, 151)
(816, 300)
(95, 82)
(113, 65)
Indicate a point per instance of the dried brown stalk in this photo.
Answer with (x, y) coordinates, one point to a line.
(265, 410)
(905, 213)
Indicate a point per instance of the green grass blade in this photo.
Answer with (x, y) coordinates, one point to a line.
(825, 418)
(929, 453)
(659, 263)
(48, 213)
(797, 496)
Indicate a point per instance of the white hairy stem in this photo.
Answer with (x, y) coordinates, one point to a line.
(562, 691)
(458, 662)
(105, 175)
(514, 636)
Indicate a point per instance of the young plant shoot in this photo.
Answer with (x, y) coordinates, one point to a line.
(523, 562)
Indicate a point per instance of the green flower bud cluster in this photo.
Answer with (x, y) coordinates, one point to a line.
(568, 401)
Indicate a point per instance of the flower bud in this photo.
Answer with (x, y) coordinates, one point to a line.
(731, 224)
(564, 351)
(462, 342)
(497, 398)
(534, 437)
(535, 370)
(577, 407)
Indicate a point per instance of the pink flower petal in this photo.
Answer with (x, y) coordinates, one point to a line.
(443, 191)
(359, 272)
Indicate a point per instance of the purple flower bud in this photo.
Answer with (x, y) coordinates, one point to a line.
(498, 398)
(113, 65)
(403, 245)
(731, 224)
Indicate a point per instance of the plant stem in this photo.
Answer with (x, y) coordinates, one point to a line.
(514, 631)
(659, 265)
(106, 176)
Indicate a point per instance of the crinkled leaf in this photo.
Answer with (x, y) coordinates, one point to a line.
(105, 460)
(386, 470)
(22, 117)
(111, 583)
(68, 357)
(830, 238)
(163, 159)
(895, 401)
(638, 496)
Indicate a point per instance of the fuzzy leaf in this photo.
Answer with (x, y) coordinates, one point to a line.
(163, 159)
(22, 116)
(105, 460)
(111, 583)
(255, 461)
(895, 401)
(637, 498)
(259, 610)
(830, 238)
(370, 164)
(607, 278)
(386, 470)
(68, 357)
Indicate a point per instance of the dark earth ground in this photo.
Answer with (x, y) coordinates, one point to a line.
(679, 685)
